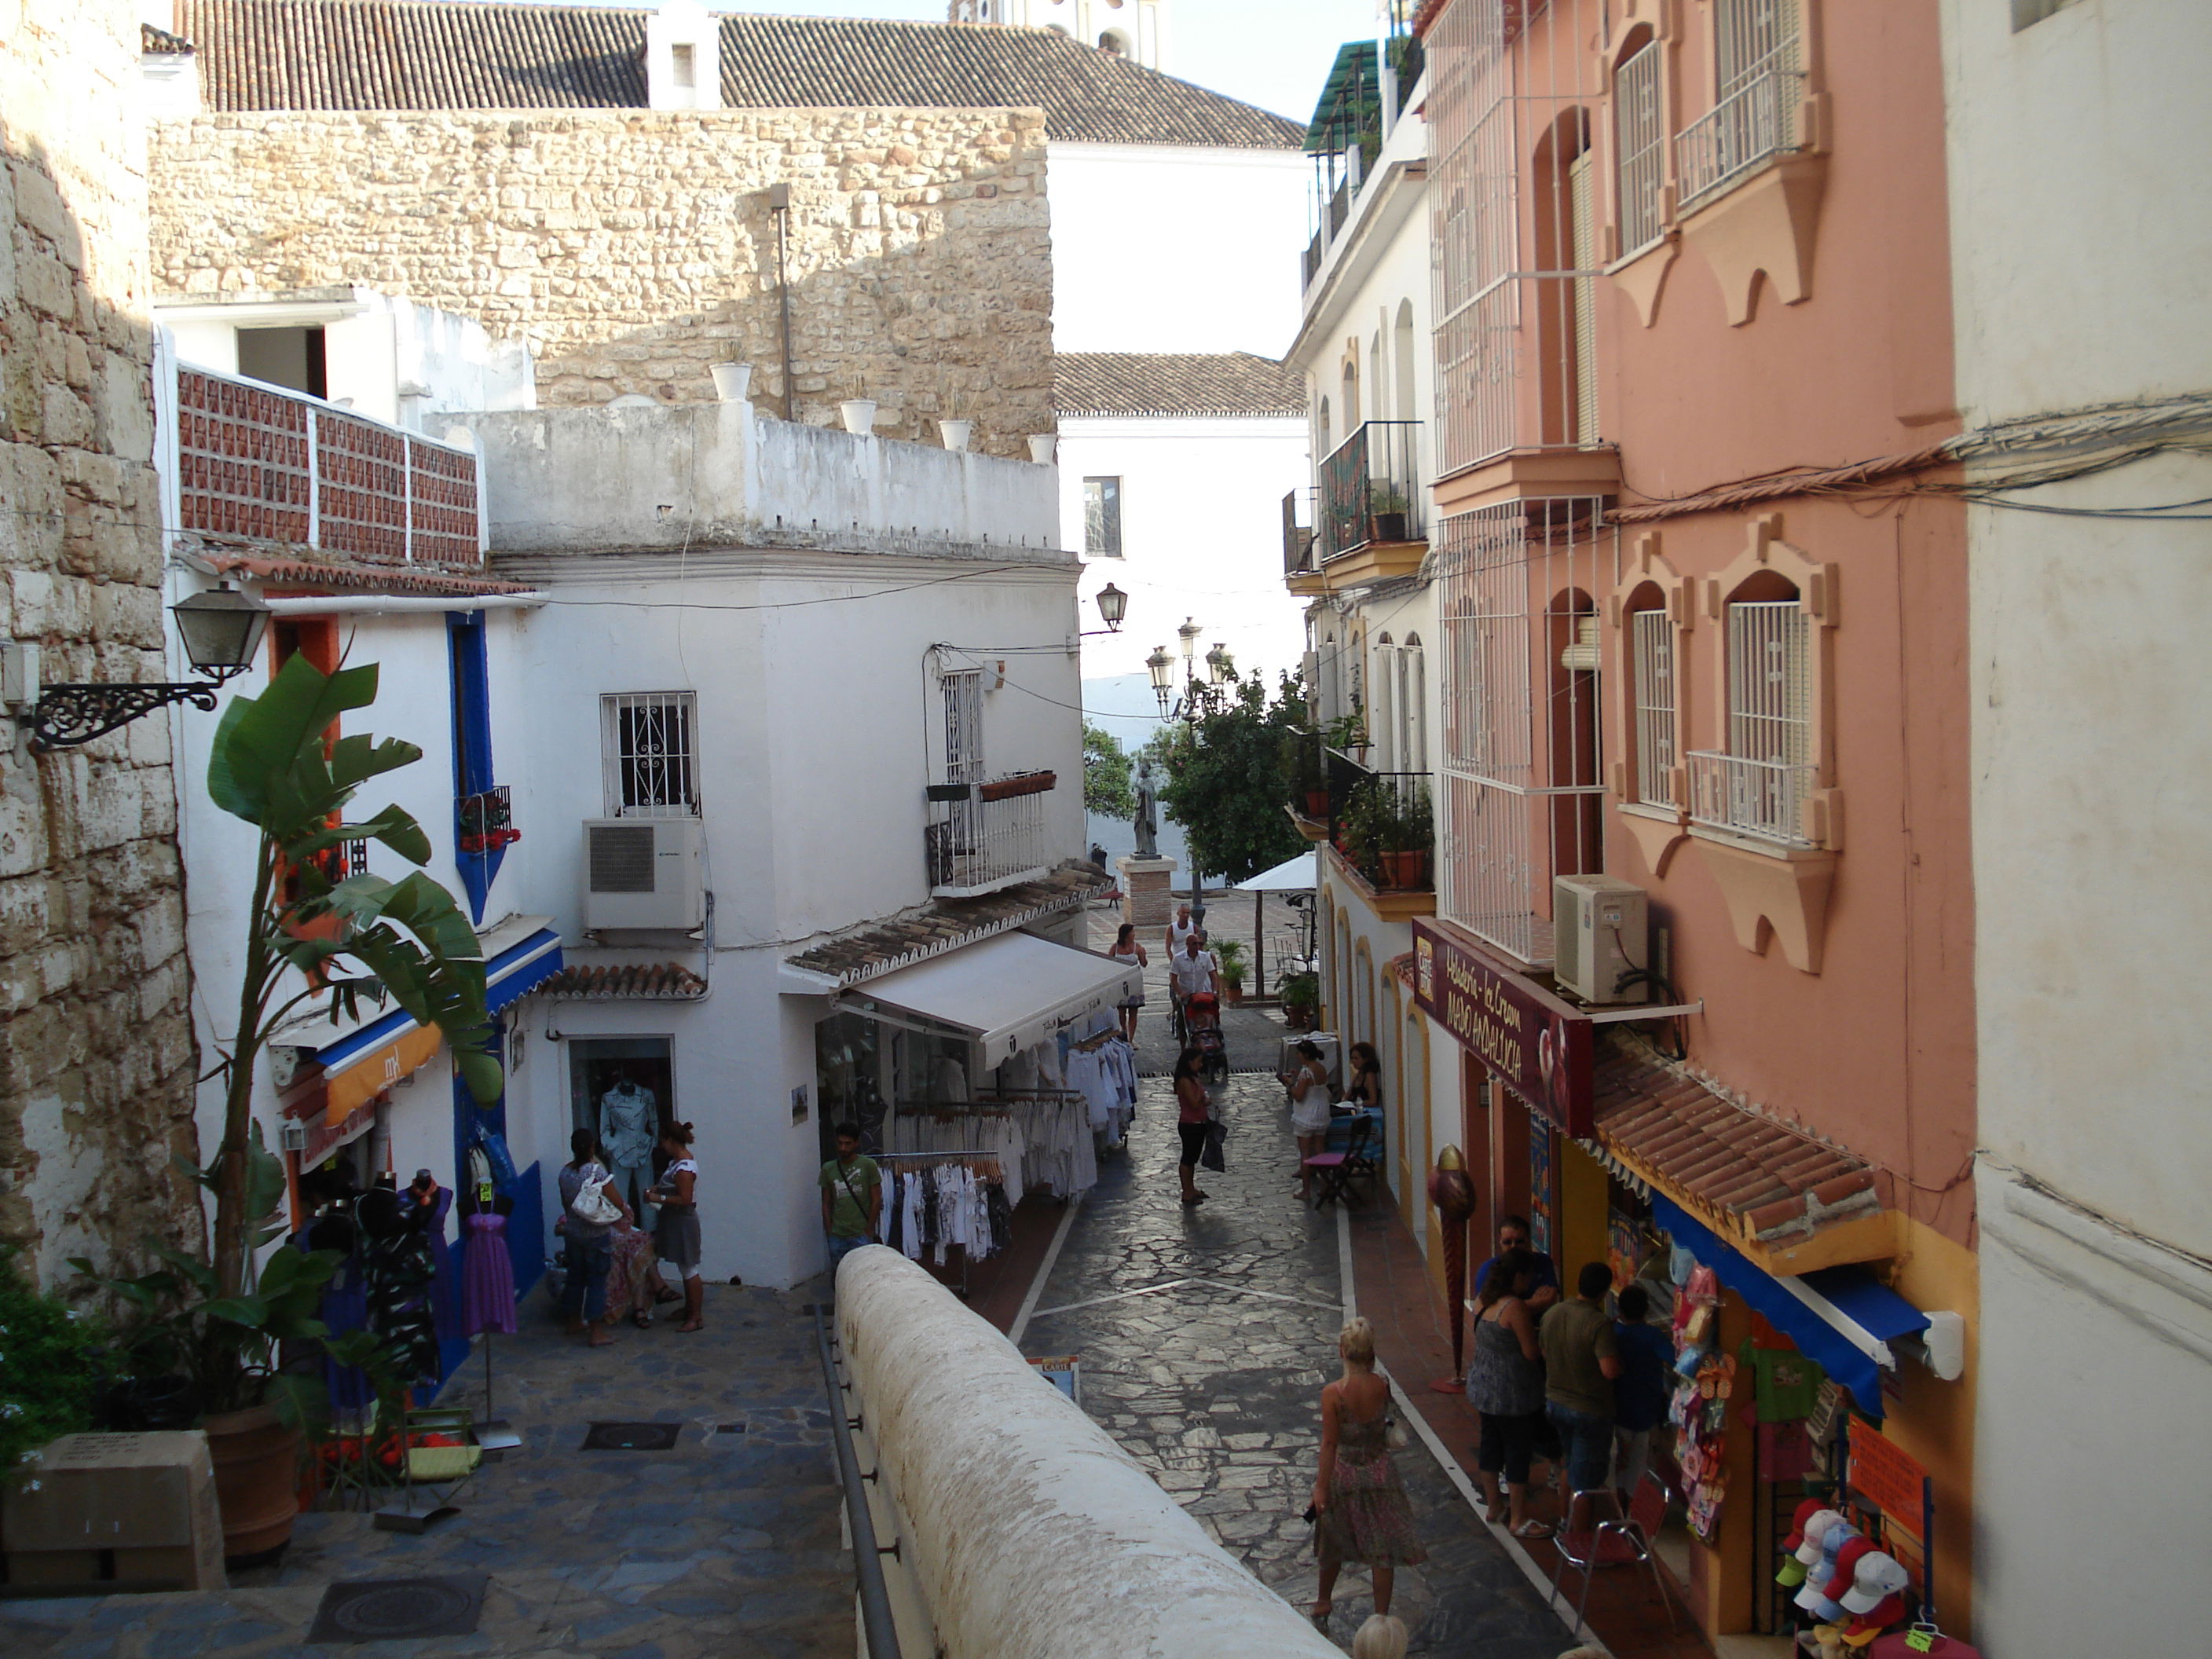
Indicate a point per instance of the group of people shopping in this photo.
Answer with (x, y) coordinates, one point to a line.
(600, 1228)
(1562, 1376)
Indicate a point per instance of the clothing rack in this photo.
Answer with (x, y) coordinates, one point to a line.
(983, 1153)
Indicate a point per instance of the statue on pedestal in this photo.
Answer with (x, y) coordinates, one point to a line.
(1145, 820)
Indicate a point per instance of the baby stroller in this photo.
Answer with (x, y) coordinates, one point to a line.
(1202, 1015)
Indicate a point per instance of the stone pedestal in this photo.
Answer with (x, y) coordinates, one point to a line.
(1147, 896)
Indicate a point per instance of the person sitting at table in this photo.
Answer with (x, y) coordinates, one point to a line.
(1365, 1083)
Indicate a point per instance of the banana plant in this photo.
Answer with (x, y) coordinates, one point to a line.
(314, 938)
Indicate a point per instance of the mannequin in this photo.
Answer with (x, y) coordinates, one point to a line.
(629, 1125)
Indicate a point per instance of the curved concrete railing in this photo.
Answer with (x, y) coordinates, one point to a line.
(1024, 1531)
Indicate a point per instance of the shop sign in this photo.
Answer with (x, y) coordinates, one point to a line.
(1536, 1043)
(1886, 1476)
(380, 1069)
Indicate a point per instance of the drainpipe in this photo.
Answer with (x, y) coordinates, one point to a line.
(778, 201)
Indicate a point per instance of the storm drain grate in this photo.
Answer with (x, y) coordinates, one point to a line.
(729, 1428)
(389, 1609)
(632, 1436)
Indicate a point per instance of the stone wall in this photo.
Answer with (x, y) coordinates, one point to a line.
(634, 249)
(96, 1050)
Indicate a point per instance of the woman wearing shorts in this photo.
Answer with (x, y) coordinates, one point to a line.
(1193, 1113)
(1309, 1105)
(1505, 1384)
(677, 1195)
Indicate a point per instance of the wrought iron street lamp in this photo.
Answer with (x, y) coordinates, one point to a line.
(1161, 669)
(1113, 606)
(222, 630)
(1220, 668)
(1188, 634)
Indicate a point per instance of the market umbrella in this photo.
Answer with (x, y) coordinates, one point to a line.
(1292, 875)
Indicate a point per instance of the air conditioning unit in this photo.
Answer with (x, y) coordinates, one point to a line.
(1601, 930)
(641, 872)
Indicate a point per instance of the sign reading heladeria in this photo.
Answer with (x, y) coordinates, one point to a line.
(1534, 1042)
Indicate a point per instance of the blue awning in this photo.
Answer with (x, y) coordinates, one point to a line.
(1844, 1318)
(513, 973)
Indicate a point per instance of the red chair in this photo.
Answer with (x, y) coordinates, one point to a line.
(1614, 1543)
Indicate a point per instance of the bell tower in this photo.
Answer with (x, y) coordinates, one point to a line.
(1134, 29)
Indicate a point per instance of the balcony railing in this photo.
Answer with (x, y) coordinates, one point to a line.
(1383, 823)
(1758, 119)
(257, 464)
(1370, 489)
(1765, 799)
(486, 820)
(983, 836)
(1297, 537)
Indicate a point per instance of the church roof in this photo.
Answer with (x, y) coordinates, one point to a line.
(465, 55)
(1173, 383)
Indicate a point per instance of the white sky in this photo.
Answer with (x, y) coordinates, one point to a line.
(1274, 53)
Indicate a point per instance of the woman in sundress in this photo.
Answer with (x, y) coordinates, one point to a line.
(1359, 1504)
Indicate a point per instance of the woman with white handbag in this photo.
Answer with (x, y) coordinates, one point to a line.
(590, 1207)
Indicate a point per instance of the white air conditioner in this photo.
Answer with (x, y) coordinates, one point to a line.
(1601, 930)
(641, 872)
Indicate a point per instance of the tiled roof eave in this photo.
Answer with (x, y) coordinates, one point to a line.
(883, 947)
(282, 570)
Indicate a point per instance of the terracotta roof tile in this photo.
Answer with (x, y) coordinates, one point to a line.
(1751, 1174)
(357, 578)
(1173, 383)
(462, 54)
(947, 924)
(160, 42)
(664, 981)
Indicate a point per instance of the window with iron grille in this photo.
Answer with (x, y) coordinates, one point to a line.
(1102, 518)
(1640, 150)
(1651, 644)
(648, 753)
(1770, 684)
(1754, 37)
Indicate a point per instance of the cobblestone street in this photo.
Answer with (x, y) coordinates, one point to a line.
(728, 1544)
(1206, 1336)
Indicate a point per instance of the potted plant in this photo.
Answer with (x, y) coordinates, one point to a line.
(1408, 832)
(1229, 953)
(1309, 783)
(1301, 994)
(1367, 824)
(1348, 733)
(1387, 512)
(310, 939)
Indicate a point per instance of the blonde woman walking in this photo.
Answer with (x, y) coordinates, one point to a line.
(1360, 1504)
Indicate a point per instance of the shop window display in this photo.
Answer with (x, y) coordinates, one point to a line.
(622, 1089)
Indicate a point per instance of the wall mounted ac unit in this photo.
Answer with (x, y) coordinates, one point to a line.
(1601, 930)
(641, 872)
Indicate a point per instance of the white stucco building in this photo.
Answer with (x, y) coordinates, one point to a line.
(2086, 363)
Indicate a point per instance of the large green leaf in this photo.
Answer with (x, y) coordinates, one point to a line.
(260, 741)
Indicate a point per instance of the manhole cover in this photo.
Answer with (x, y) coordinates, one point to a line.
(385, 1610)
(632, 1436)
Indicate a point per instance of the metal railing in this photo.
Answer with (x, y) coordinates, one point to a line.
(486, 820)
(984, 836)
(1762, 799)
(1297, 537)
(1374, 817)
(257, 462)
(876, 1620)
(1757, 120)
(1370, 489)
(1640, 123)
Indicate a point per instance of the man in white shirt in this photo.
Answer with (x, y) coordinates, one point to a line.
(1179, 930)
(1193, 970)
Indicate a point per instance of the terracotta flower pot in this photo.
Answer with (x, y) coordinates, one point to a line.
(255, 1456)
(1402, 870)
(1317, 806)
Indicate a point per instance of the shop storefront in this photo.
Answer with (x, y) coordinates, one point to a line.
(1752, 1242)
(988, 1077)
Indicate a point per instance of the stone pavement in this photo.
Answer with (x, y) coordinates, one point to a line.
(1206, 1336)
(729, 1544)
(1255, 1034)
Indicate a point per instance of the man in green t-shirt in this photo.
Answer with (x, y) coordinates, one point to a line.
(1581, 1360)
(852, 1196)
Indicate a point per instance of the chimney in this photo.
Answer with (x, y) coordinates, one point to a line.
(682, 58)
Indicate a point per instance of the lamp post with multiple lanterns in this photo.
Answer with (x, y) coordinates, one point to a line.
(1199, 698)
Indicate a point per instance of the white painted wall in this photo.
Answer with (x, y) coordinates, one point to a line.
(386, 356)
(1201, 537)
(1160, 247)
(2076, 270)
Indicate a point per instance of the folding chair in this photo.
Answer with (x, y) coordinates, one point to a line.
(1337, 1170)
(1614, 1543)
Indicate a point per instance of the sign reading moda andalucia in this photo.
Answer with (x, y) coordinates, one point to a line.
(1534, 1042)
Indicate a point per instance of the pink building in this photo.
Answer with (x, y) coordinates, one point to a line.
(1702, 606)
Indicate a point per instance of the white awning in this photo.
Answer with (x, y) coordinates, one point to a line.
(1293, 875)
(1008, 993)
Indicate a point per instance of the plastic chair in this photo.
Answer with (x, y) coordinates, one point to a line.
(1337, 1170)
(1619, 1542)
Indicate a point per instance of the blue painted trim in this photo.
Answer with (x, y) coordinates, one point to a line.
(470, 665)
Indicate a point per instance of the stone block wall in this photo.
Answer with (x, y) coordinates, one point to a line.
(634, 249)
(96, 1049)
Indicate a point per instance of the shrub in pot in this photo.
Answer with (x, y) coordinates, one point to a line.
(1229, 953)
(1301, 994)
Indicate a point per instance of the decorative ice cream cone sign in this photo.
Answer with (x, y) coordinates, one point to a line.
(1453, 1194)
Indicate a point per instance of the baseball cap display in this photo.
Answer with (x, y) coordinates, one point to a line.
(1814, 1597)
(1840, 1581)
(1812, 1532)
(1890, 1610)
(1876, 1577)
